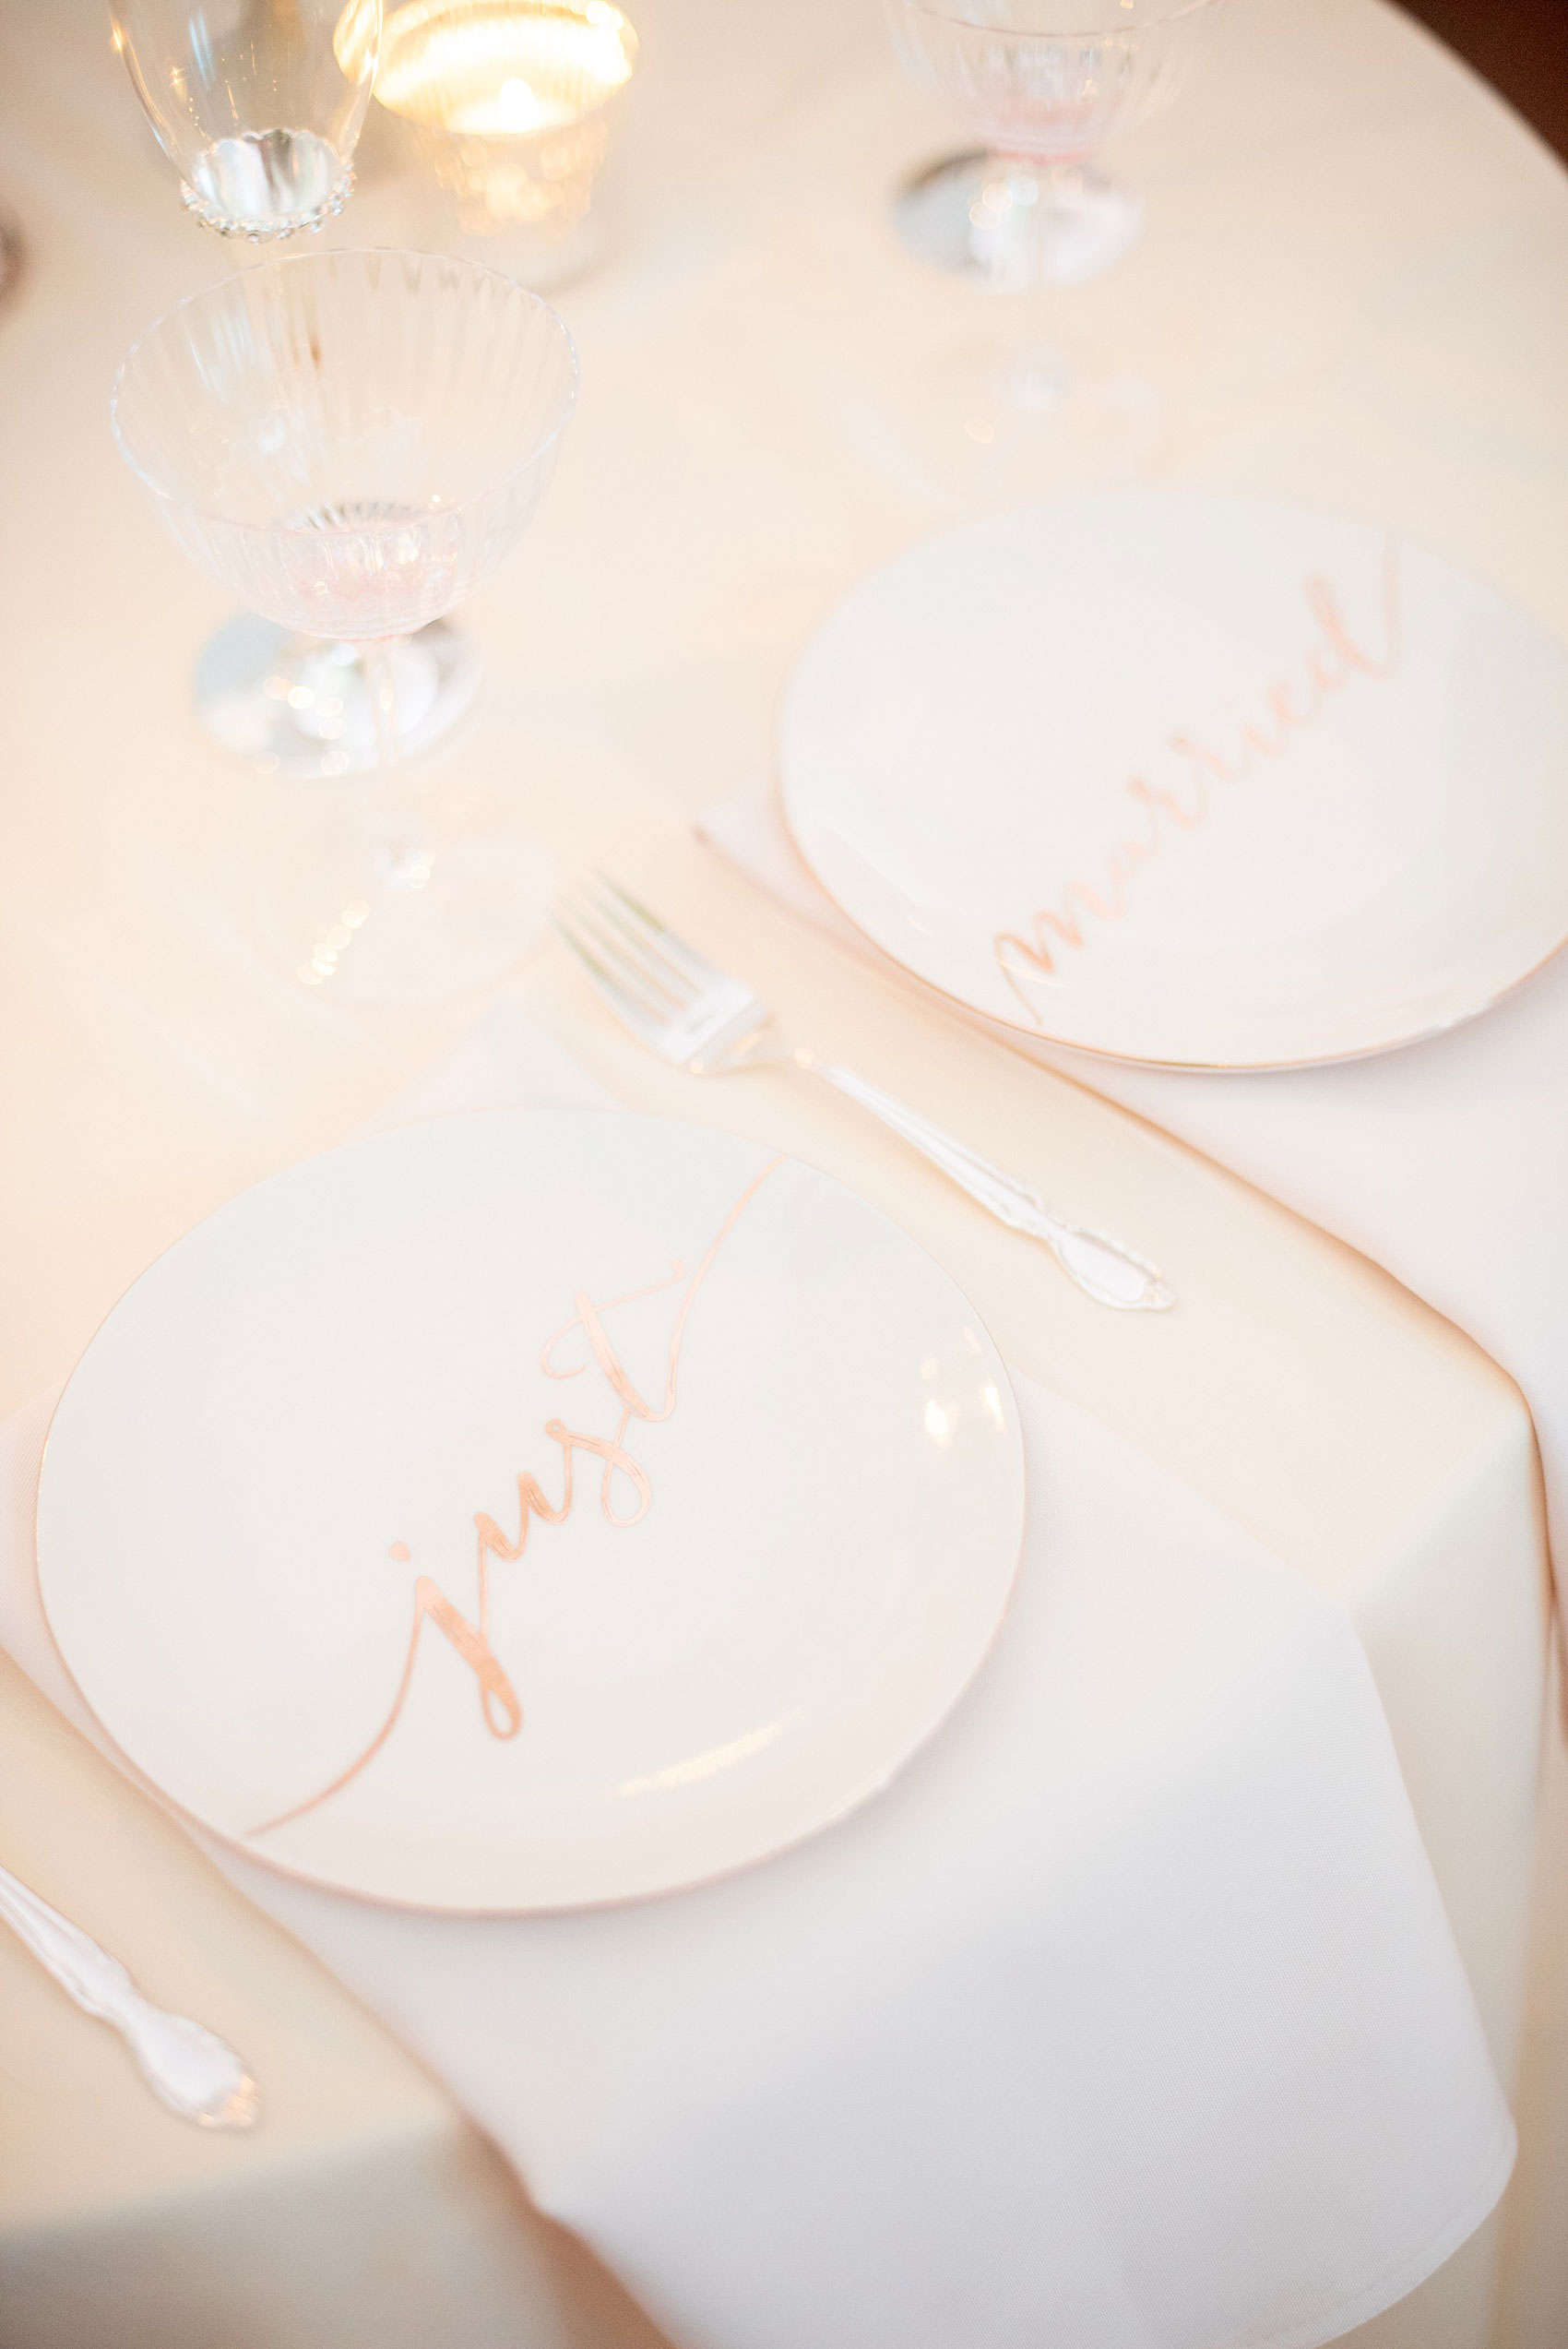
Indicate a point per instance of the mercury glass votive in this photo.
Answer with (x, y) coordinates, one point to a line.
(508, 103)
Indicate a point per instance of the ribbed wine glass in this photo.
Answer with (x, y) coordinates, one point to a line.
(351, 442)
(1043, 84)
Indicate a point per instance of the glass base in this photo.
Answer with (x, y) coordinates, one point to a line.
(1023, 419)
(979, 216)
(297, 706)
(264, 185)
(405, 929)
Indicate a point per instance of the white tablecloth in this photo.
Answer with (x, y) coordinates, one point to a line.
(1130, 2015)
(1350, 291)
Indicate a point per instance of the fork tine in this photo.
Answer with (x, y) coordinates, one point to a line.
(693, 966)
(599, 954)
(647, 1026)
(656, 996)
(645, 951)
(647, 948)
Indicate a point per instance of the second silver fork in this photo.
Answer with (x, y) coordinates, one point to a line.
(188, 2067)
(704, 1021)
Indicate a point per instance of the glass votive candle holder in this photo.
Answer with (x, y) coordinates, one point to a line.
(509, 104)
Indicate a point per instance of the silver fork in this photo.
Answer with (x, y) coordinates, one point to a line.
(701, 1020)
(187, 2068)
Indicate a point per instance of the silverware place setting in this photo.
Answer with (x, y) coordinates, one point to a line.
(709, 1023)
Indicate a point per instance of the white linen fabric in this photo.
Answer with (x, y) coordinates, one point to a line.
(1129, 2015)
(1445, 1162)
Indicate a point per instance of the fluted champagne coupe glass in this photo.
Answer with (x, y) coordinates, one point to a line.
(1043, 85)
(351, 442)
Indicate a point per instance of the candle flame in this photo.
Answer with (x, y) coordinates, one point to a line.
(502, 68)
(517, 106)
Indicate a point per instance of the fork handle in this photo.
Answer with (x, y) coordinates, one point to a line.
(97, 1981)
(1104, 1269)
(187, 2067)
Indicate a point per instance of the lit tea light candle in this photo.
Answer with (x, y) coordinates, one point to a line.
(506, 99)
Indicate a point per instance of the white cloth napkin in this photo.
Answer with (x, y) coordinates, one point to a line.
(1446, 1164)
(1129, 2015)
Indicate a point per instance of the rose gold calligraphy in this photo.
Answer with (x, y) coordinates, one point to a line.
(499, 1708)
(1291, 706)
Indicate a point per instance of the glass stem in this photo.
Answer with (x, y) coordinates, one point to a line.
(401, 858)
(1023, 195)
(1039, 225)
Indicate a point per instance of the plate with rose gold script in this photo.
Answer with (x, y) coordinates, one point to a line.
(522, 1511)
(1201, 780)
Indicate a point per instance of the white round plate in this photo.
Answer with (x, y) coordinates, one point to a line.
(286, 1468)
(1187, 779)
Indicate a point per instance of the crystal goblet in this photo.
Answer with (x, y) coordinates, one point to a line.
(351, 442)
(259, 104)
(1043, 84)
